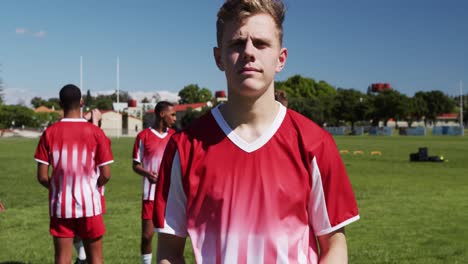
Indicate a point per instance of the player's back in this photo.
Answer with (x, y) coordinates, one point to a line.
(74, 148)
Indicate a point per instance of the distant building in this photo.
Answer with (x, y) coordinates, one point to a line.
(116, 124)
(448, 119)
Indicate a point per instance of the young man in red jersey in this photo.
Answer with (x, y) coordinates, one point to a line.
(94, 116)
(252, 181)
(147, 155)
(79, 154)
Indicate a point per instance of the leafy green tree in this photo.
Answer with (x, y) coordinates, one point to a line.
(309, 107)
(45, 119)
(298, 86)
(312, 99)
(350, 106)
(190, 115)
(417, 109)
(389, 104)
(88, 100)
(20, 115)
(437, 103)
(53, 102)
(49, 103)
(37, 101)
(193, 94)
(103, 102)
(204, 95)
(124, 96)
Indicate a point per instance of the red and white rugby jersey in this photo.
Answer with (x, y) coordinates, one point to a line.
(259, 202)
(75, 149)
(148, 150)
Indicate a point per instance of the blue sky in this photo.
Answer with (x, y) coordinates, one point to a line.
(164, 45)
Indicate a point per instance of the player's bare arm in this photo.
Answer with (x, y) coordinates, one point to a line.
(151, 175)
(43, 174)
(170, 249)
(104, 175)
(333, 248)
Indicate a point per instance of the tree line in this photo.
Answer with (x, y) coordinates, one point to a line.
(317, 100)
(326, 105)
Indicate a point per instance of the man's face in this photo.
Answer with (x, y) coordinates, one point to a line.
(168, 116)
(250, 55)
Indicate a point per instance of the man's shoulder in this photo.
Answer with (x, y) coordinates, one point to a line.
(303, 122)
(143, 133)
(201, 129)
(200, 125)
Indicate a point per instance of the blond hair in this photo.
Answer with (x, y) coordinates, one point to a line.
(241, 9)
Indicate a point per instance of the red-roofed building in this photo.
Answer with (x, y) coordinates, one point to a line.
(448, 119)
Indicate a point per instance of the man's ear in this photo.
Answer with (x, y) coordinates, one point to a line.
(282, 59)
(217, 56)
(81, 102)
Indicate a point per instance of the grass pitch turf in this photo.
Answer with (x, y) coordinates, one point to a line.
(410, 212)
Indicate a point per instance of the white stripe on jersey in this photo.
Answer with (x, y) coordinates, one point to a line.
(301, 257)
(318, 214)
(87, 195)
(229, 248)
(255, 249)
(175, 221)
(140, 151)
(55, 157)
(77, 194)
(282, 250)
(63, 159)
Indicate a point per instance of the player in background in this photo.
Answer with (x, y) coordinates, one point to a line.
(252, 181)
(79, 154)
(94, 116)
(147, 155)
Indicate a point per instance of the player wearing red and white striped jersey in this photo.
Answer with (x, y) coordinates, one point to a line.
(79, 154)
(258, 202)
(148, 151)
(253, 182)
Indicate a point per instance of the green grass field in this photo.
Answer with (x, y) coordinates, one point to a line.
(410, 212)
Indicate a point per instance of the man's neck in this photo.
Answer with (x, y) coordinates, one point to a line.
(72, 113)
(250, 118)
(159, 127)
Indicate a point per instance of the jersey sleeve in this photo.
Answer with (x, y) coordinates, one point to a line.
(169, 215)
(42, 150)
(332, 203)
(137, 153)
(104, 151)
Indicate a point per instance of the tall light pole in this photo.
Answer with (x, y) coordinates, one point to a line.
(118, 79)
(461, 109)
(81, 83)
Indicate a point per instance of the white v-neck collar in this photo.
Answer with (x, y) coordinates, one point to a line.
(67, 119)
(159, 135)
(259, 142)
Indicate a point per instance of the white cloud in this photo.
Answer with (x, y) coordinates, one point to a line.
(23, 96)
(40, 34)
(24, 31)
(21, 31)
